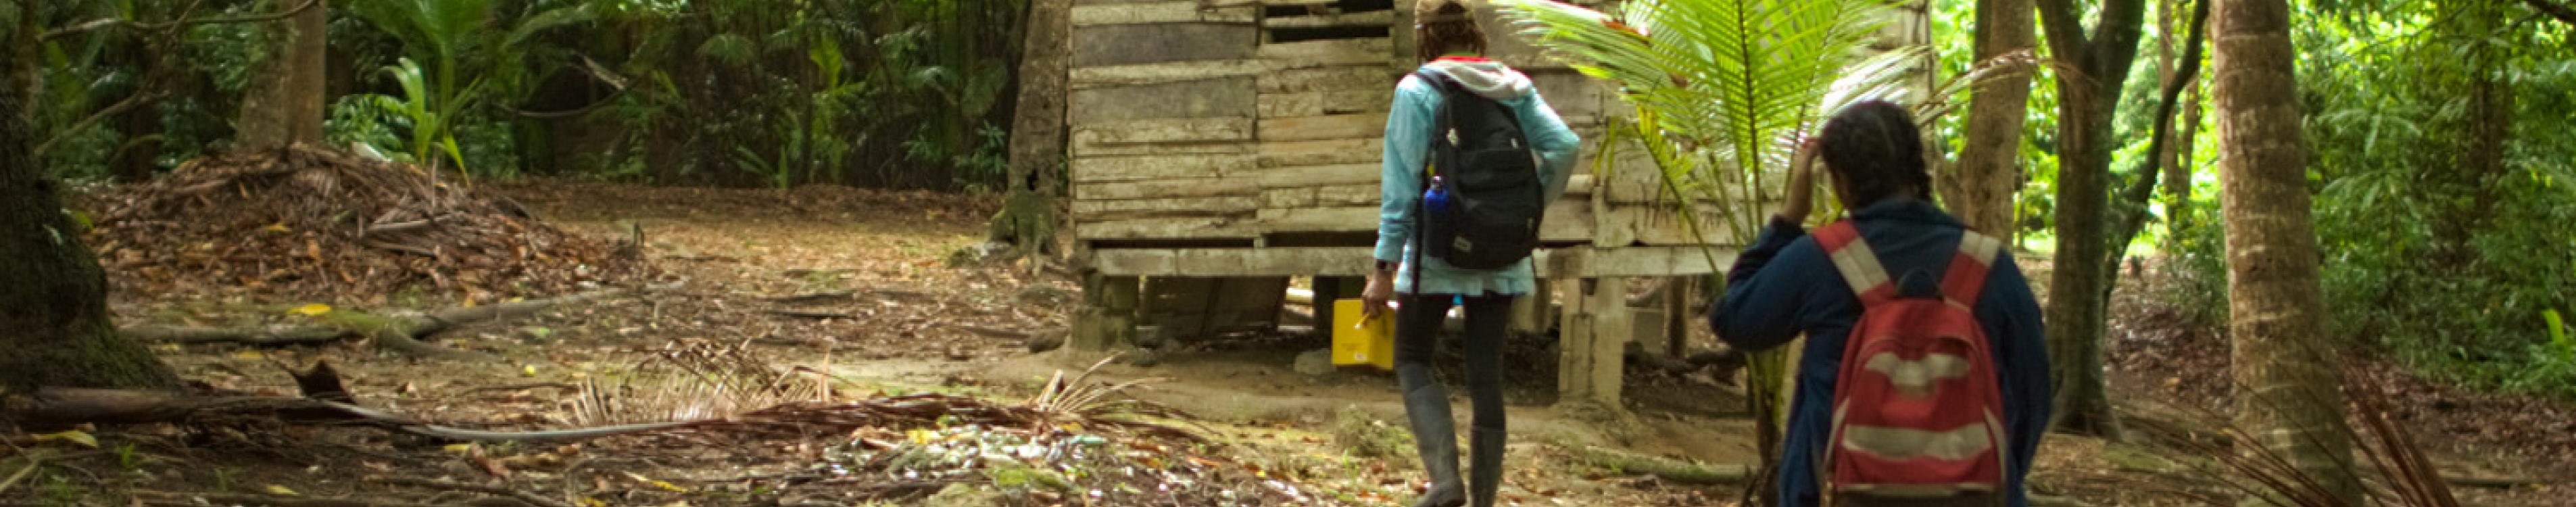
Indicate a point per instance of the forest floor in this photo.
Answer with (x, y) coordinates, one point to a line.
(861, 289)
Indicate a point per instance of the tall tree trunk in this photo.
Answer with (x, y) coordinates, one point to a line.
(53, 302)
(1980, 189)
(284, 104)
(2289, 396)
(2482, 134)
(135, 161)
(2178, 165)
(2088, 93)
(1028, 216)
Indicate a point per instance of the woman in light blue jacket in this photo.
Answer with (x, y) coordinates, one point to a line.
(1448, 39)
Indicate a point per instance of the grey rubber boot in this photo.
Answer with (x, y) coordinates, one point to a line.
(1484, 465)
(1426, 407)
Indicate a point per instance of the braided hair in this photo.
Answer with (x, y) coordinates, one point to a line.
(1874, 149)
(1443, 27)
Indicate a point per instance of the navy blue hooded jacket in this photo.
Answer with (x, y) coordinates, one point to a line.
(1785, 286)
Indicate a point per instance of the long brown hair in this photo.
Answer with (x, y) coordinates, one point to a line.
(1443, 27)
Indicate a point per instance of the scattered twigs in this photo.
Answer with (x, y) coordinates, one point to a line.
(306, 221)
(1677, 471)
(530, 498)
(33, 461)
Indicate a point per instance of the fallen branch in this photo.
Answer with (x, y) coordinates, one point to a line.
(809, 314)
(53, 407)
(2493, 482)
(404, 335)
(994, 333)
(1666, 468)
(193, 500)
(813, 297)
(272, 336)
(523, 496)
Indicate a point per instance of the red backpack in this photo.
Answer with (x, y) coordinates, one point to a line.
(1918, 408)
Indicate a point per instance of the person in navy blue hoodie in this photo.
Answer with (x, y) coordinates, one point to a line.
(1785, 286)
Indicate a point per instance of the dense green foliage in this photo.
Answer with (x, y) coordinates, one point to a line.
(2446, 201)
(888, 93)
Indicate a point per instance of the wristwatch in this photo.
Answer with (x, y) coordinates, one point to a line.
(1386, 266)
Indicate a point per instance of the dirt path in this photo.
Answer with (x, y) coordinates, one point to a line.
(860, 284)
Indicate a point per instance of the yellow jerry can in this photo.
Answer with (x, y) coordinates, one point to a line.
(1360, 340)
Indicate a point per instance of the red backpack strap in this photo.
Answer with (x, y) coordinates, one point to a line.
(1859, 265)
(1967, 277)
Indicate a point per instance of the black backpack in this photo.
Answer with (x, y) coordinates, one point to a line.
(1490, 173)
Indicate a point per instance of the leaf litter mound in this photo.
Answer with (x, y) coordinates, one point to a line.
(310, 222)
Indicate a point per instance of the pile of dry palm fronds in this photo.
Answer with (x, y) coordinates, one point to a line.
(310, 222)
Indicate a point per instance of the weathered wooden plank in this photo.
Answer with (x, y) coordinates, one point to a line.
(1166, 228)
(1319, 103)
(1309, 128)
(1153, 73)
(1159, 149)
(1187, 11)
(1567, 220)
(1371, 18)
(1309, 176)
(1165, 189)
(1168, 130)
(1326, 52)
(1280, 198)
(1560, 263)
(1163, 42)
(1571, 94)
(1102, 211)
(1578, 185)
(1325, 152)
(1333, 197)
(1655, 224)
(1374, 75)
(1344, 219)
(1204, 98)
(1093, 169)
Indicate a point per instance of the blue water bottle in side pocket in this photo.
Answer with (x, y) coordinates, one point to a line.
(1435, 222)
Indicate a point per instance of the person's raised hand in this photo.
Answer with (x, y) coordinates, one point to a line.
(1801, 187)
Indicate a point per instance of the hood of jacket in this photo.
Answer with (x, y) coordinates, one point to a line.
(1488, 78)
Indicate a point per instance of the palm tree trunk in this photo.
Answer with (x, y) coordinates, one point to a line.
(1980, 189)
(2288, 390)
(53, 300)
(284, 103)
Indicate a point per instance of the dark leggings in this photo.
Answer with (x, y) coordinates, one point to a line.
(1417, 332)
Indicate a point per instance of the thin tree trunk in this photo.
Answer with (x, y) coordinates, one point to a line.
(2088, 94)
(1037, 134)
(284, 104)
(2129, 213)
(1980, 189)
(53, 296)
(2287, 388)
(2178, 164)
